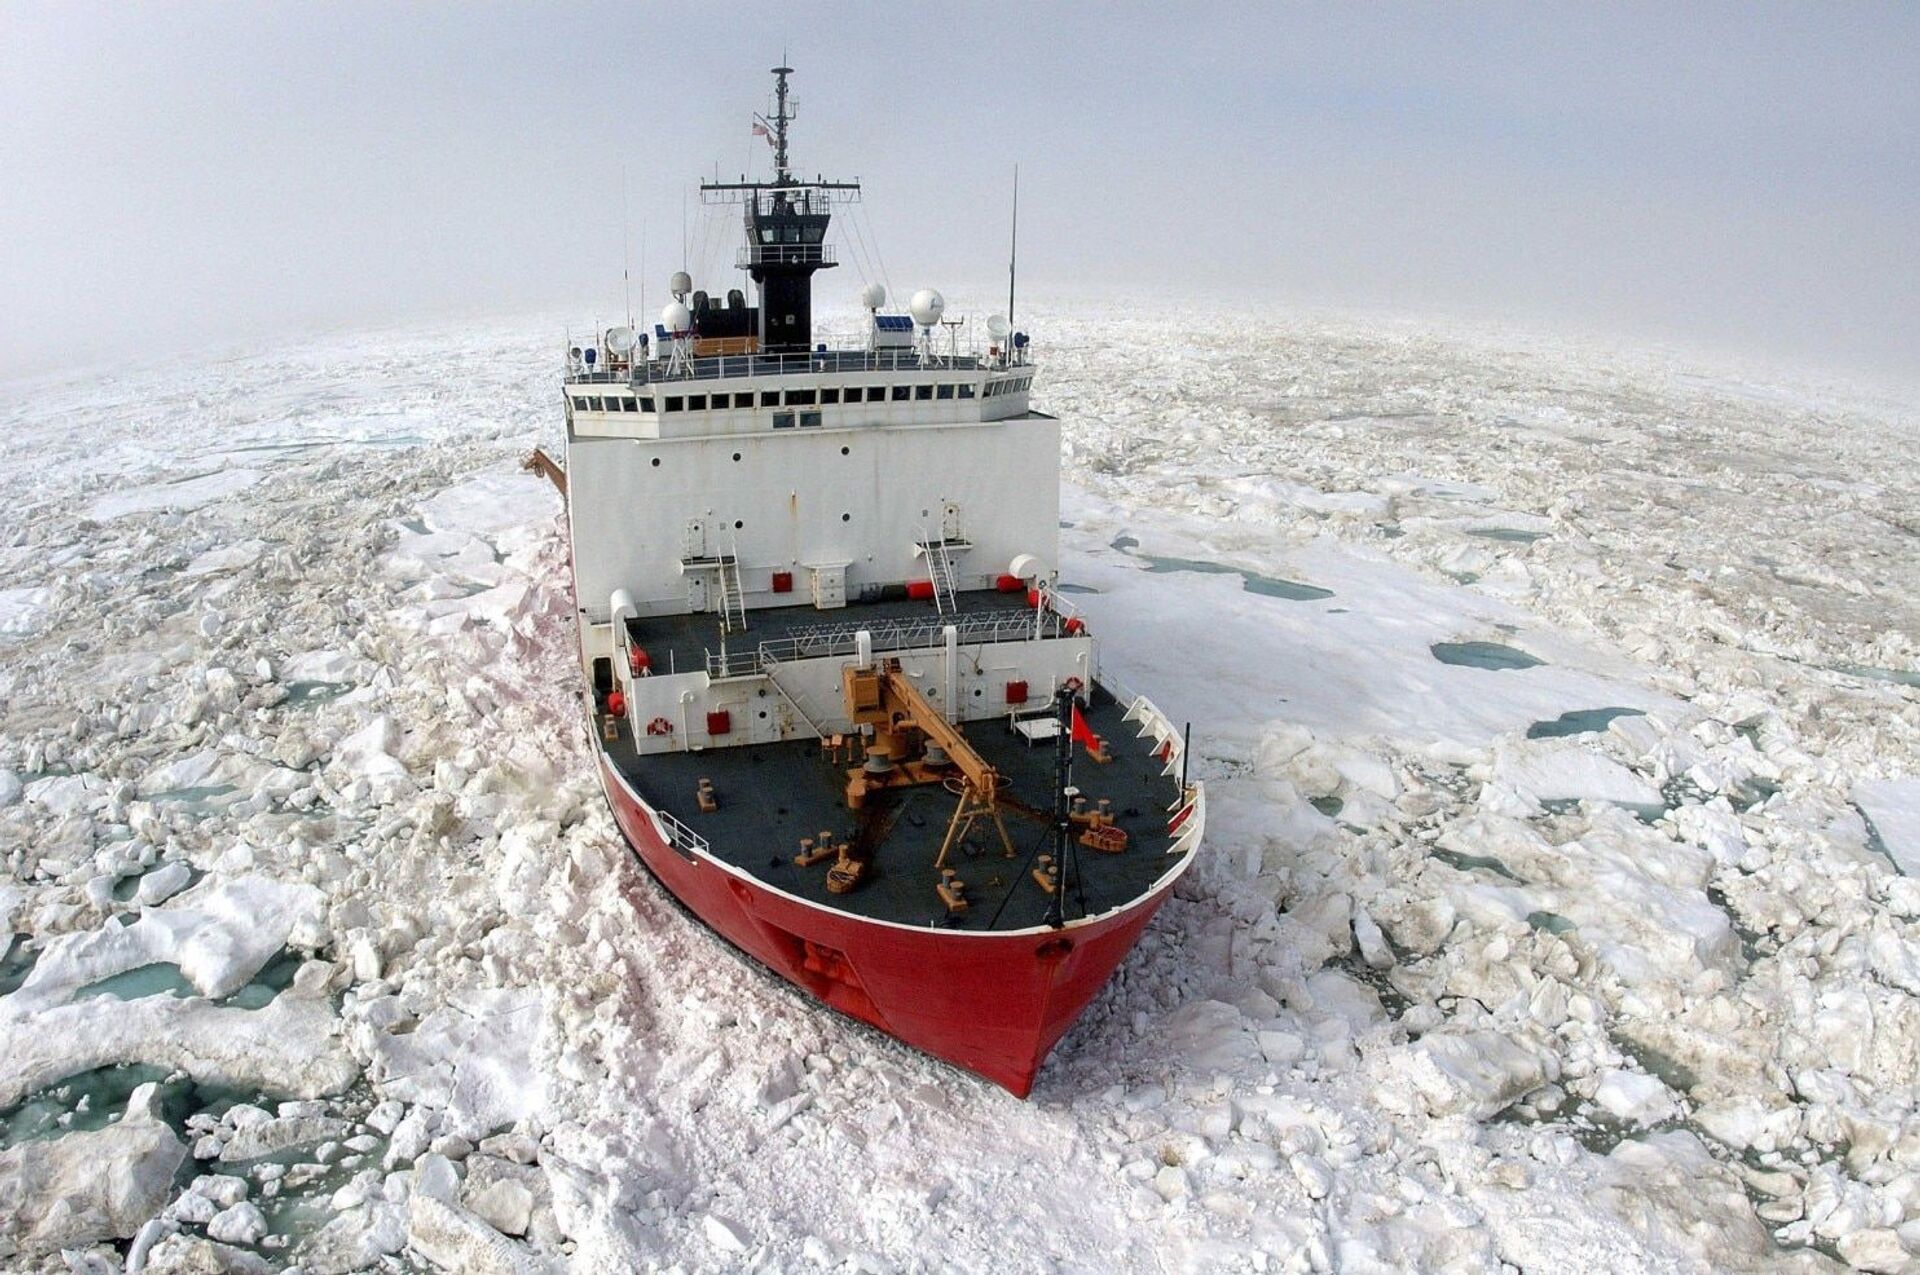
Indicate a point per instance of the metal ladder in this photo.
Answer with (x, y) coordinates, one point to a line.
(771, 667)
(733, 593)
(940, 569)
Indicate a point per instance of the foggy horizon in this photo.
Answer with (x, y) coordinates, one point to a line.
(1718, 180)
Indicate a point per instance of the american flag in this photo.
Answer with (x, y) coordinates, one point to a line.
(760, 130)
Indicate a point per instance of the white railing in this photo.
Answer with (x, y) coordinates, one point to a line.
(724, 664)
(1190, 807)
(845, 356)
(678, 834)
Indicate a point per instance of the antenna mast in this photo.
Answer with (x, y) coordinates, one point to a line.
(1013, 250)
(781, 118)
(626, 244)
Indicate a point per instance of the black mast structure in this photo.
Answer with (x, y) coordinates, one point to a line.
(786, 223)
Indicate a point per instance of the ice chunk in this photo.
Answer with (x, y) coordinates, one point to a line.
(23, 611)
(244, 1223)
(1894, 807)
(1477, 1073)
(454, 1239)
(471, 1059)
(83, 1187)
(162, 883)
(227, 558)
(220, 935)
(1634, 1097)
(490, 504)
(1568, 772)
(189, 493)
(291, 1046)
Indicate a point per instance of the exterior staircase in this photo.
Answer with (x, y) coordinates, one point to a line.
(733, 594)
(940, 570)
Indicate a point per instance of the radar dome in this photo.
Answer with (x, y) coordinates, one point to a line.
(681, 283)
(873, 296)
(926, 307)
(998, 327)
(676, 317)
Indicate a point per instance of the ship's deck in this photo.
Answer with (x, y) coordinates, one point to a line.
(772, 795)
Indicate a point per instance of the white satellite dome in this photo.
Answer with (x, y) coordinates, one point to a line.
(998, 328)
(873, 296)
(676, 317)
(681, 284)
(620, 340)
(926, 307)
(1027, 567)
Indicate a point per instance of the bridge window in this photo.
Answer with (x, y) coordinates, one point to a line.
(922, 392)
(876, 393)
(901, 393)
(800, 398)
(783, 420)
(945, 391)
(674, 402)
(809, 420)
(696, 402)
(830, 395)
(646, 404)
(966, 391)
(769, 398)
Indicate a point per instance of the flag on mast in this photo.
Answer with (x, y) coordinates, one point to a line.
(1082, 733)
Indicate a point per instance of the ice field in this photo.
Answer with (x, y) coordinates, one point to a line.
(1560, 909)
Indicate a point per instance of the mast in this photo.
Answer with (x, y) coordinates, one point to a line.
(786, 225)
(1063, 850)
(1013, 248)
(781, 118)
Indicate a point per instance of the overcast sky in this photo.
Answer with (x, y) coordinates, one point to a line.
(1741, 178)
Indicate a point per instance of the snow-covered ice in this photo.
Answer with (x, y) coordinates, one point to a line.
(1559, 909)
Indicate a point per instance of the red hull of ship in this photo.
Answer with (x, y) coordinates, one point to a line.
(994, 1004)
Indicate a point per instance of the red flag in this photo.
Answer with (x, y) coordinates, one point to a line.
(1082, 734)
(760, 130)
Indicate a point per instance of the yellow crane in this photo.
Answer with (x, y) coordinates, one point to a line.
(913, 743)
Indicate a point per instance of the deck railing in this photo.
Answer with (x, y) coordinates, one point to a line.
(730, 366)
(679, 834)
(827, 640)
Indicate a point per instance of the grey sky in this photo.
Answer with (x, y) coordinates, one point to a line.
(1738, 177)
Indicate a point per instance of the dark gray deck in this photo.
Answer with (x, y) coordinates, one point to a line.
(773, 795)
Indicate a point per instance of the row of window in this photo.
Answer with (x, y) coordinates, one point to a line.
(829, 396)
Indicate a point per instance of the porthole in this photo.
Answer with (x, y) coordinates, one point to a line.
(976, 692)
(738, 524)
(656, 462)
(844, 451)
(846, 517)
(736, 455)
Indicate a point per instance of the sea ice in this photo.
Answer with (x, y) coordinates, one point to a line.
(82, 1187)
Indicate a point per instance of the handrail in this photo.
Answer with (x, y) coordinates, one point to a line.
(661, 370)
(786, 254)
(679, 834)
